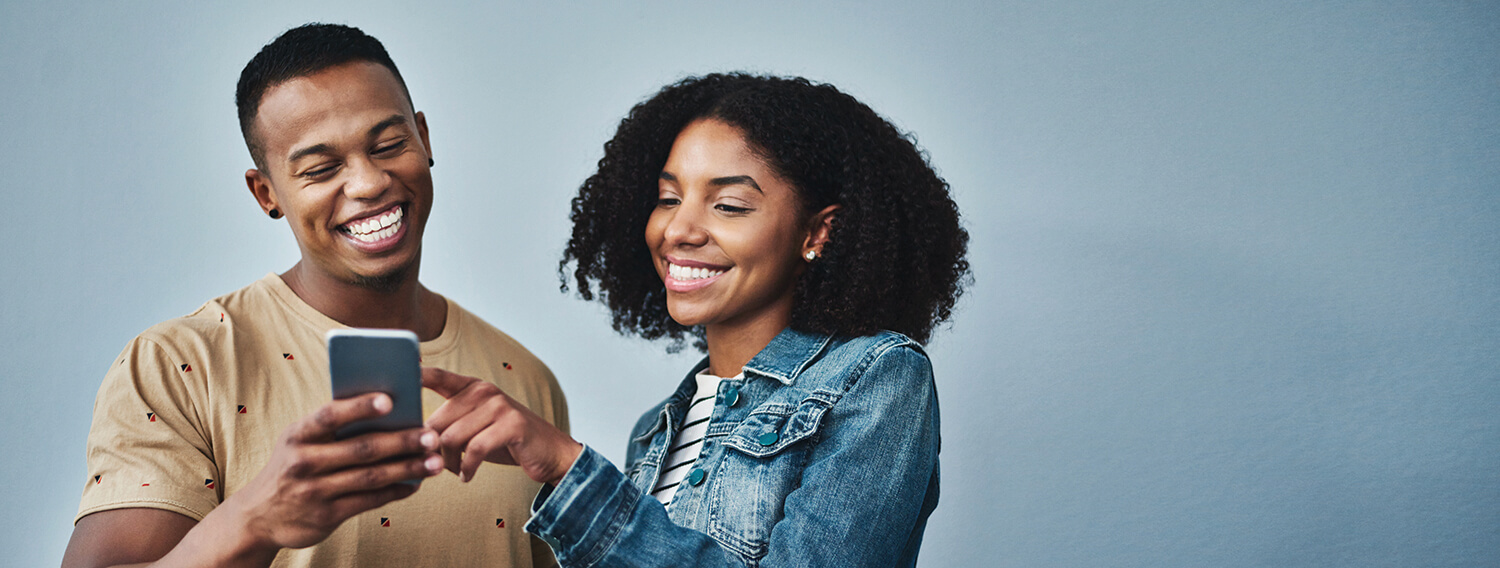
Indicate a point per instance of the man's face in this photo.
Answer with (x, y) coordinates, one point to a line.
(346, 160)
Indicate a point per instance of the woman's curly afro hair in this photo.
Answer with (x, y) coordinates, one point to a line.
(894, 259)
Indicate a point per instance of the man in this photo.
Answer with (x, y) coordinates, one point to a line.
(186, 466)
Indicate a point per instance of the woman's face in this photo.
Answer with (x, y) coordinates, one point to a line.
(728, 234)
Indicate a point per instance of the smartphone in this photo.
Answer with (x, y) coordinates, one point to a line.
(377, 360)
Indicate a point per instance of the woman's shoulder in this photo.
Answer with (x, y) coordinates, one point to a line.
(867, 349)
(886, 355)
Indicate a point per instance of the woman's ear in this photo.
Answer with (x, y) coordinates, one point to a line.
(819, 227)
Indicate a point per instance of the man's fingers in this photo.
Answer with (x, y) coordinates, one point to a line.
(443, 382)
(353, 504)
(371, 477)
(321, 424)
(366, 449)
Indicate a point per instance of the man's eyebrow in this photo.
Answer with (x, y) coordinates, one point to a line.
(308, 151)
(736, 180)
(393, 120)
(387, 123)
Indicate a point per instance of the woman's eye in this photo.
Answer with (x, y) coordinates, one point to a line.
(727, 208)
(667, 201)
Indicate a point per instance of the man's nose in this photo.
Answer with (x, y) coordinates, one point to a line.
(366, 180)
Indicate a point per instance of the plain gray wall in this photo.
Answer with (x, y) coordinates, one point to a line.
(1237, 268)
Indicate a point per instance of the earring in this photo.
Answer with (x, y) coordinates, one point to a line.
(274, 213)
(431, 162)
(811, 255)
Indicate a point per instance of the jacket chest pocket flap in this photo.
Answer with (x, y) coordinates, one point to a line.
(775, 426)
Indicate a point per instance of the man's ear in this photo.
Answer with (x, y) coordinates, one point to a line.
(260, 187)
(422, 132)
(819, 227)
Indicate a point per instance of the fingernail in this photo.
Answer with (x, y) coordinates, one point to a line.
(382, 403)
(434, 464)
(429, 440)
(463, 476)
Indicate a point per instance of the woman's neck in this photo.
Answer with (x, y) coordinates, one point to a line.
(733, 344)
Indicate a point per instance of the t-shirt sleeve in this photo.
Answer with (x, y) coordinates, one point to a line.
(148, 446)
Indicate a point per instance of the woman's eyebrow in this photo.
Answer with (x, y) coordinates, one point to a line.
(736, 180)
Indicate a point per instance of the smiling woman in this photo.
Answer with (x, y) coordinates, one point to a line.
(811, 249)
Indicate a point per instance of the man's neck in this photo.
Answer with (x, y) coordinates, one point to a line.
(405, 305)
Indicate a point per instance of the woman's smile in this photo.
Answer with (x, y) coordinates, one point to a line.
(726, 233)
(686, 276)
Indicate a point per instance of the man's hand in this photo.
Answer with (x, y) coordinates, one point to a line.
(481, 423)
(312, 483)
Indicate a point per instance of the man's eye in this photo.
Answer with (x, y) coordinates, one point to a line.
(731, 208)
(390, 148)
(319, 172)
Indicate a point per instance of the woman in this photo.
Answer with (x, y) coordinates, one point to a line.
(805, 243)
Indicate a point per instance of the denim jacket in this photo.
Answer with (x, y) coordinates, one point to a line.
(825, 454)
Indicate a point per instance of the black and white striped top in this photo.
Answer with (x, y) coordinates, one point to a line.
(689, 440)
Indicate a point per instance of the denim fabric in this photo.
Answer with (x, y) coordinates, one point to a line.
(825, 454)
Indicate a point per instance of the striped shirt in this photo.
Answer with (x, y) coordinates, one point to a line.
(688, 442)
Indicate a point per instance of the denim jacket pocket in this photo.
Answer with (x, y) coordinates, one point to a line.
(762, 464)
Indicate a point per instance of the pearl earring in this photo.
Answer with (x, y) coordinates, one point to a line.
(811, 255)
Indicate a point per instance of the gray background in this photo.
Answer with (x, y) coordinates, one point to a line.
(1237, 296)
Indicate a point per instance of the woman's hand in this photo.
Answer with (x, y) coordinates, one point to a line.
(481, 423)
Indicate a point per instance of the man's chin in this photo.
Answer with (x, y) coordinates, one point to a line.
(389, 281)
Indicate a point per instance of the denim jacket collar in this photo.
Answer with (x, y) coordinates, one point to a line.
(788, 354)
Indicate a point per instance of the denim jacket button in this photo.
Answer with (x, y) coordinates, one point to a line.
(732, 396)
(768, 438)
(696, 476)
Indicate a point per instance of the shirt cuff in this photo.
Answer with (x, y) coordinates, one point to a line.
(582, 516)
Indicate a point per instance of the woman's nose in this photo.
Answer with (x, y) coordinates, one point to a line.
(685, 227)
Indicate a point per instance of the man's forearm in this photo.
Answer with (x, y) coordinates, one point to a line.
(222, 538)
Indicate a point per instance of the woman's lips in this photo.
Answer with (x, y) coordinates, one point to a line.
(684, 278)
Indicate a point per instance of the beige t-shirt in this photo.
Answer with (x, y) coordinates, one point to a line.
(191, 410)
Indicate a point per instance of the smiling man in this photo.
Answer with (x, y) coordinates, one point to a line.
(212, 441)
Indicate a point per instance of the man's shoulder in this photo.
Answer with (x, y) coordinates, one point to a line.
(482, 335)
(214, 320)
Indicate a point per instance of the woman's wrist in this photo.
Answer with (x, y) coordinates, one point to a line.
(568, 456)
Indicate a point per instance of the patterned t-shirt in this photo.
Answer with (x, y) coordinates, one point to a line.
(192, 408)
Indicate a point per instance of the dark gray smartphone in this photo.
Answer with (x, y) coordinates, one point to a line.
(377, 360)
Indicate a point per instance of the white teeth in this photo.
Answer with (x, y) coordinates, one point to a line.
(684, 273)
(372, 230)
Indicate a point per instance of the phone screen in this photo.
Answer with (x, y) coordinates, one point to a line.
(377, 360)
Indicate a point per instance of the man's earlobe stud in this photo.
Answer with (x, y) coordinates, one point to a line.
(431, 162)
(274, 213)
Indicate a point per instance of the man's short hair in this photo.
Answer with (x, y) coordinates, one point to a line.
(302, 51)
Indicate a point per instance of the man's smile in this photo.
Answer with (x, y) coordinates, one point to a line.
(373, 229)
